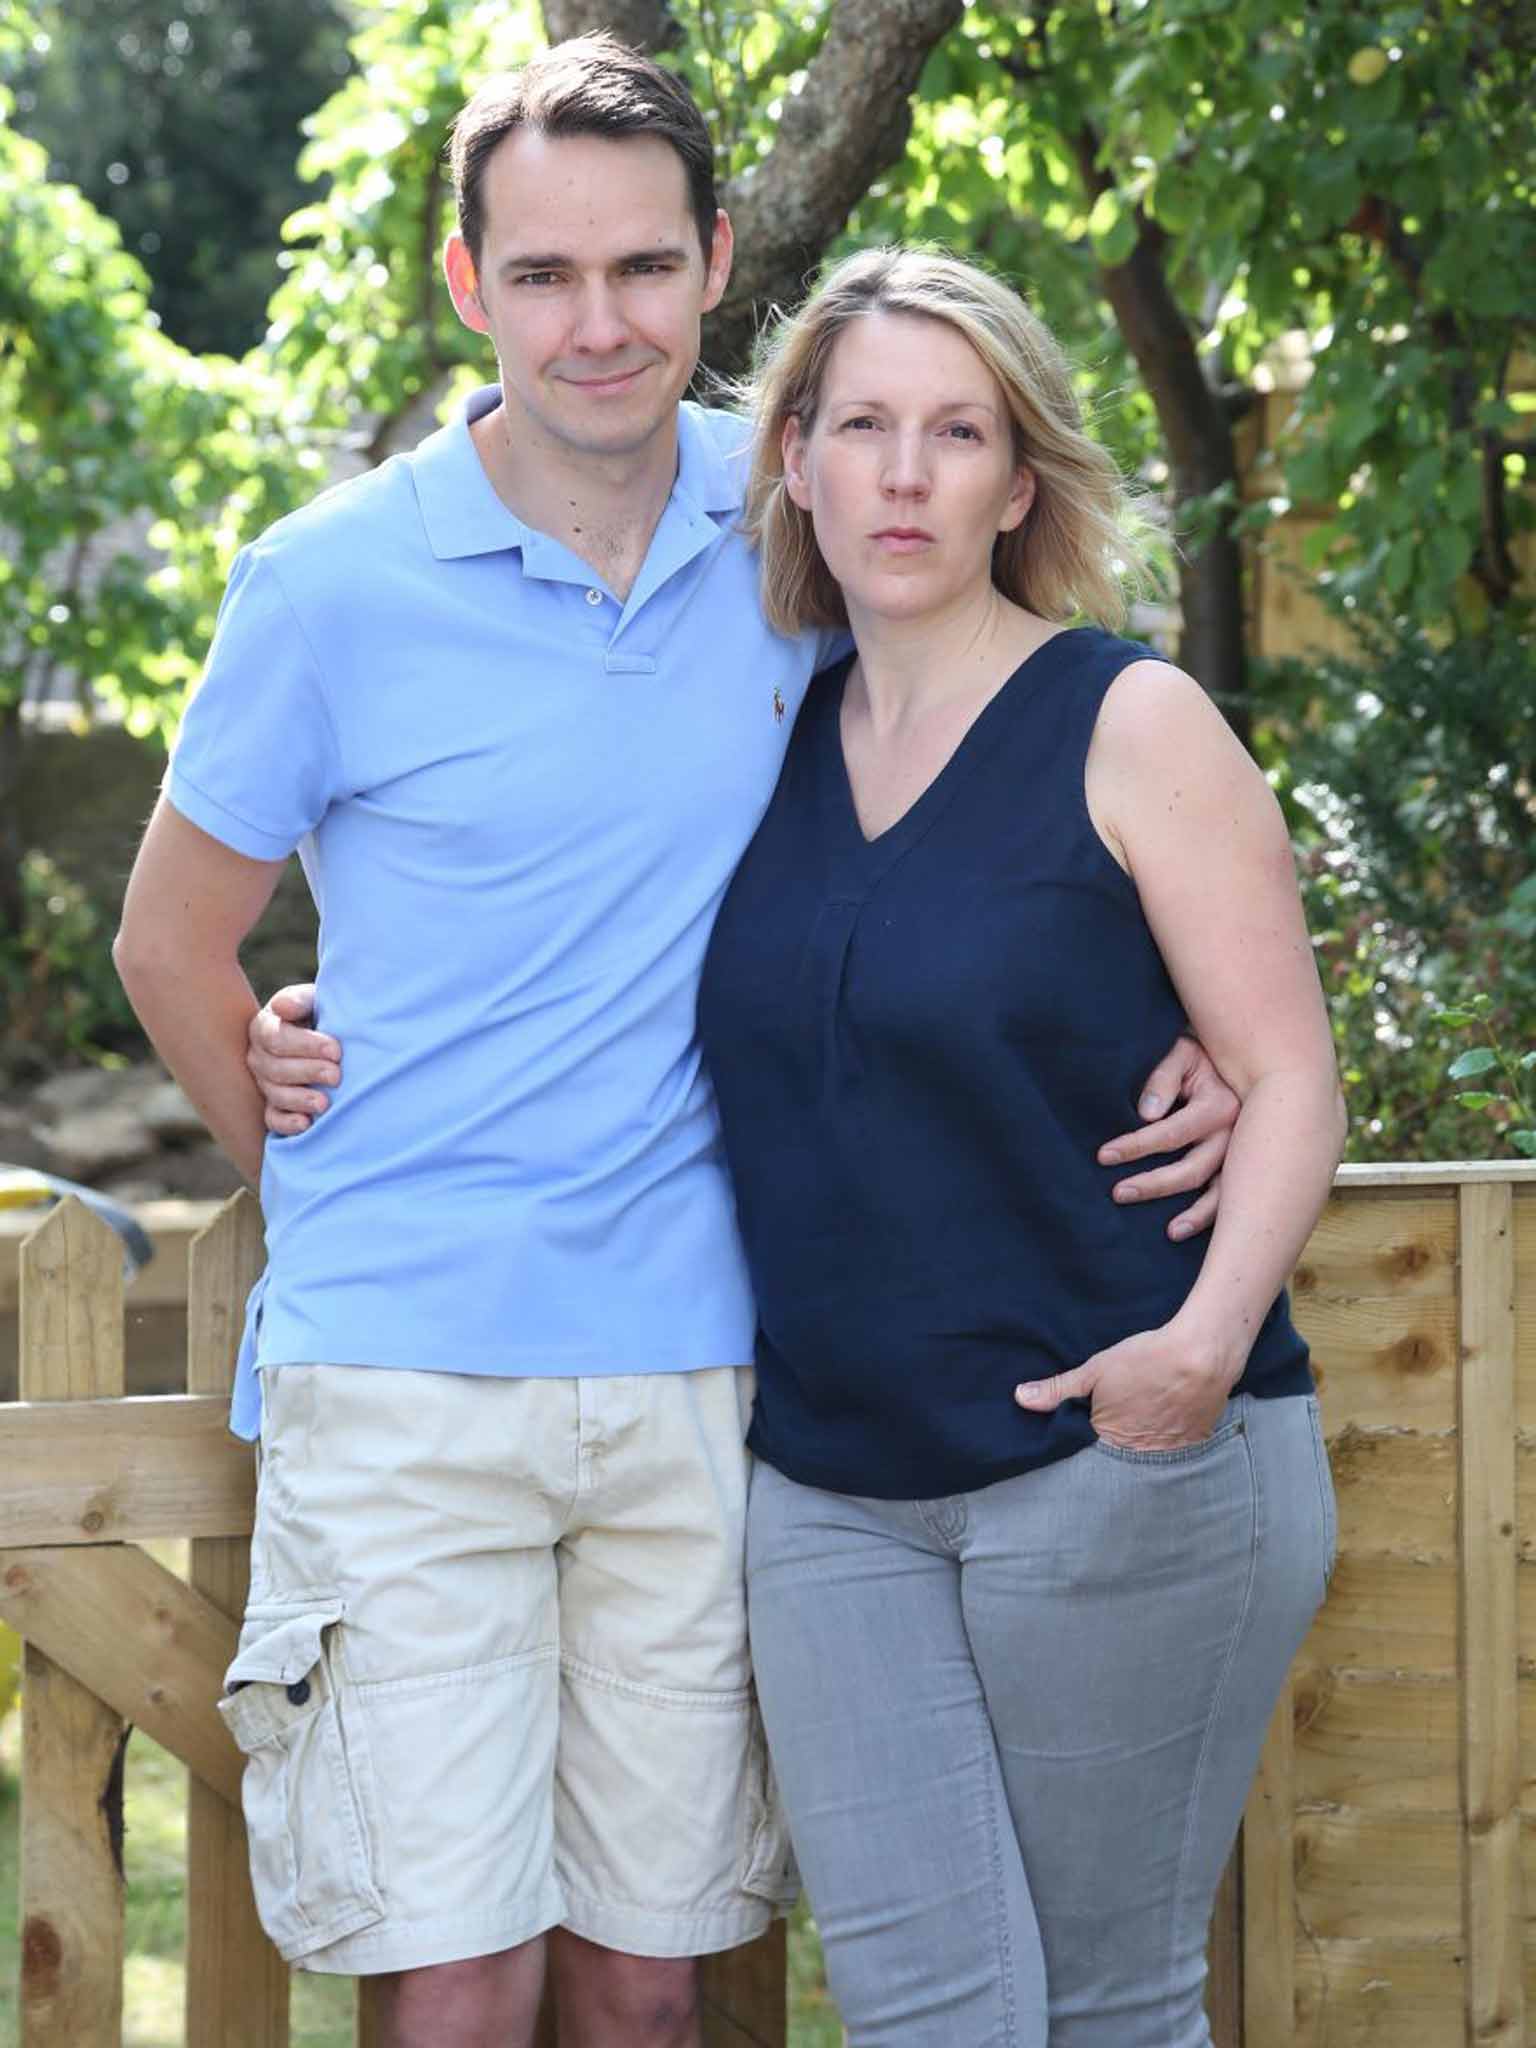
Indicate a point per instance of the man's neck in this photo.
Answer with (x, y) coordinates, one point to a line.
(604, 508)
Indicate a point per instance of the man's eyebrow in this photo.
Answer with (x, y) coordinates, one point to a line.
(562, 260)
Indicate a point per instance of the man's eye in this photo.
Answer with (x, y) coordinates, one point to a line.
(861, 421)
(538, 277)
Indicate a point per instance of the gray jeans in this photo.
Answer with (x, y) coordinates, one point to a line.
(1014, 1729)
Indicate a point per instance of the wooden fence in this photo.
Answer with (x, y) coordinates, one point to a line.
(1378, 1893)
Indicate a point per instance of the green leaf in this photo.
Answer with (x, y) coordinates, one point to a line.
(1477, 1098)
(1523, 1141)
(1479, 1060)
(1454, 1020)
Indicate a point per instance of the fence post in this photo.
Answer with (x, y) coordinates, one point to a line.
(1493, 1906)
(237, 1983)
(71, 1331)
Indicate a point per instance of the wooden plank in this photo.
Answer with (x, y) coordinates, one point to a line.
(1224, 1957)
(237, 1983)
(1269, 1889)
(71, 1315)
(1436, 1173)
(141, 1640)
(1396, 1491)
(1365, 1875)
(1364, 1247)
(1387, 1614)
(71, 1863)
(742, 1994)
(370, 2015)
(1380, 1993)
(1374, 1743)
(122, 1471)
(162, 1283)
(1490, 1733)
(1525, 1325)
(1385, 1363)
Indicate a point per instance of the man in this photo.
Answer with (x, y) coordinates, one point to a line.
(513, 696)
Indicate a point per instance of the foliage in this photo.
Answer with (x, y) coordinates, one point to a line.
(60, 995)
(1505, 1091)
(178, 119)
(1363, 175)
(1408, 770)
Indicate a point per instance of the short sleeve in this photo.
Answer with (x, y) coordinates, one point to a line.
(255, 763)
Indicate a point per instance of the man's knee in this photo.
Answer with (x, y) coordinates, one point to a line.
(491, 2000)
(649, 2001)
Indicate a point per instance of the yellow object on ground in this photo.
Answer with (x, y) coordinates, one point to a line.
(10, 1669)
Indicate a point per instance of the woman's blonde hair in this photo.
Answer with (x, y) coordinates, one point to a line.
(1075, 550)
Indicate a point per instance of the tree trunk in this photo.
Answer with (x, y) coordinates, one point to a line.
(1196, 420)
(10, 826)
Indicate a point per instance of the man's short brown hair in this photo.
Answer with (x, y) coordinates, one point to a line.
(590, 85)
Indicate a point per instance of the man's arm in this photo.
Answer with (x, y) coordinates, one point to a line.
(1186, 1102)
(191, 900)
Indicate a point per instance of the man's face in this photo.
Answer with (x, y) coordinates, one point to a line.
(591, 284)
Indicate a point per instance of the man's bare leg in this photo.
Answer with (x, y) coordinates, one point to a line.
(486, 2002)
(610, 2000)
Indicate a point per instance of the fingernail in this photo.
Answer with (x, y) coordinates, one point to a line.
(332, 1077)
(1125, 1192)
(1179, 1229)
(1110, 1157)
(1151, 1105)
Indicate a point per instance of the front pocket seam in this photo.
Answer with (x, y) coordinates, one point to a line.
(1177, 1454)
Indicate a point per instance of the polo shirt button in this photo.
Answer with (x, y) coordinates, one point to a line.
(594, 597)
(298, 1692)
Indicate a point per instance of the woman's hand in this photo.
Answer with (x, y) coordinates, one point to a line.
(1185, 1103)
(289, 1063)
(1156, 1391)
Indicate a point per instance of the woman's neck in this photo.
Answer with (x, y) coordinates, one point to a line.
(909, 667)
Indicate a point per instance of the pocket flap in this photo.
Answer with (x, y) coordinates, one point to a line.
(284, 1650)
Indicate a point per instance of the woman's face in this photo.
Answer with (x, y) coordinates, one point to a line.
(908, 472)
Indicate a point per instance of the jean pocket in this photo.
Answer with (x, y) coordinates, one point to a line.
(1178, 1454)
(768, 1865)
(306, 1792)
(1325, 1489)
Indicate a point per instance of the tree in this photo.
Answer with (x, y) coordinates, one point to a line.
(114, 437)
(178, 119)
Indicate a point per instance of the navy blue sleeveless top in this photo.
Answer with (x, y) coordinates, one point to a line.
(918, 1042)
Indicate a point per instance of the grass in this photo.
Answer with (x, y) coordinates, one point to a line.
(153, 1976)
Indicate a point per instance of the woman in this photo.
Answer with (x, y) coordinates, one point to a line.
(1041, 1511)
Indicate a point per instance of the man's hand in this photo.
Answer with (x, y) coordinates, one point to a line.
(1185, 1102)
(1156, 1391)
(289, 1063)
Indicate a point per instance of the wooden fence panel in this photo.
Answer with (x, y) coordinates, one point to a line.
(237, 1983)
(1379, 1895)
(72, 1786)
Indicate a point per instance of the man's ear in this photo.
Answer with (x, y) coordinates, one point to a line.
(718, 269)
(792, 447)
(464, 283)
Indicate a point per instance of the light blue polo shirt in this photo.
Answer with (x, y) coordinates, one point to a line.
(518, 801)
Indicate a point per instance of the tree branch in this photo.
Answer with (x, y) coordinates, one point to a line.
(644, 24)
(847, 125)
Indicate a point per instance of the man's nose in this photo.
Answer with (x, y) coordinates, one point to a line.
(600, 323)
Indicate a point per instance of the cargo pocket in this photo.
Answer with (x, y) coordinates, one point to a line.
(306, 1791)
(769, 1870)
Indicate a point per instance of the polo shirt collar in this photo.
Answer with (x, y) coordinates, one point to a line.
(463, 515)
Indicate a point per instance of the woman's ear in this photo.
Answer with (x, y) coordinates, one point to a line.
(792, 446)
(1020, 498)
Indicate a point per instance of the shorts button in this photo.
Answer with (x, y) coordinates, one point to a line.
(298, 1692)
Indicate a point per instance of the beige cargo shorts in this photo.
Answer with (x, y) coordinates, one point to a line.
(493, 1675)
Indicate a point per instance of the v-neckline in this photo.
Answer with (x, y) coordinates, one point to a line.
(948, 772)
